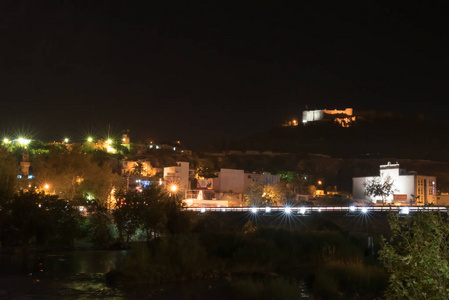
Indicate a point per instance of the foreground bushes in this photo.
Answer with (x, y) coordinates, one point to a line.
(265, 263)
(339, 279)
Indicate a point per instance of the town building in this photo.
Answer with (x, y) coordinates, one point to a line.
(342, 117)
(228, 188)
(179, 175)
(409, 187)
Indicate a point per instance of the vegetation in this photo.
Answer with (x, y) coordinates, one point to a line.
(380, 187)
(37, 219)
(271, 195)
(417, 257)
(74, 175)
(260, 262)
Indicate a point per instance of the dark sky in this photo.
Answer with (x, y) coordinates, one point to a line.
(200, 72)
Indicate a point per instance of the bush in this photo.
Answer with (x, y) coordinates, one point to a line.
(340, 280)
(169, 258)
(278, 288)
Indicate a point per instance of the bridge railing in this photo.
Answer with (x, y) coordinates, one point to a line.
(320, 209)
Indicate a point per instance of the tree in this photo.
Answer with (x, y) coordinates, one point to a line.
(253, 195)
(205, 169)
(99, 222)
(44, 220)
(379, 187)
(127, 213)
(153, 215)
(138, 168)
(272, 195)
(417, 257)
(8, 175)
(73, 174)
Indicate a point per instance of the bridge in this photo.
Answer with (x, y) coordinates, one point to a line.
(304, 210)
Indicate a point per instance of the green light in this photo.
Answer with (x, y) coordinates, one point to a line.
(89, 139)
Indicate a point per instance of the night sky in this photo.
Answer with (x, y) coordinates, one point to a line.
(202, 72)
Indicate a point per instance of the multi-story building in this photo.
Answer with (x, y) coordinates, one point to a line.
(408, 187)
(179, 175)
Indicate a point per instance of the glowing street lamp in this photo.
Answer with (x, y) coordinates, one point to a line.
(66, 140)
(174, 188)
(90, 139)
(46, 186)
(23, 141)
(6, 141)
(320, 182)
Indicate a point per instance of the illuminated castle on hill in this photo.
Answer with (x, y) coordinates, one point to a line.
(342, 117)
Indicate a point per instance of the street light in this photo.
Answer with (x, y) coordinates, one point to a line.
(174, 188)
(90, 139)
(23, 141)
(66, 140)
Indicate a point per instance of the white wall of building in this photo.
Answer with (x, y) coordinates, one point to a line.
(178, 174)
(405, 186)
(231, 180)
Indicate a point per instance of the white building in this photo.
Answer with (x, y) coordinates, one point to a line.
(179, 175)
(408, 187)
(237, 181)
(230, 180)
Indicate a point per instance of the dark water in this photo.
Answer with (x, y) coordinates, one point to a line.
(72, 275)
(81, 275)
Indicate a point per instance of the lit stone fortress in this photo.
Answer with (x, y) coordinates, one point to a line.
(342, 117)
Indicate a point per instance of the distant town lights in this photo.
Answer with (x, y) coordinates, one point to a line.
(23, 141)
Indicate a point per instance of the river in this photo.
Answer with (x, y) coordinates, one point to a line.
(81, 275)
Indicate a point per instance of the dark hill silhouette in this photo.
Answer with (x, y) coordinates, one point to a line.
(401, 137)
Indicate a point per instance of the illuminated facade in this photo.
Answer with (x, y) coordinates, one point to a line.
(179, 175)
(342, 117)
(408, 186)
